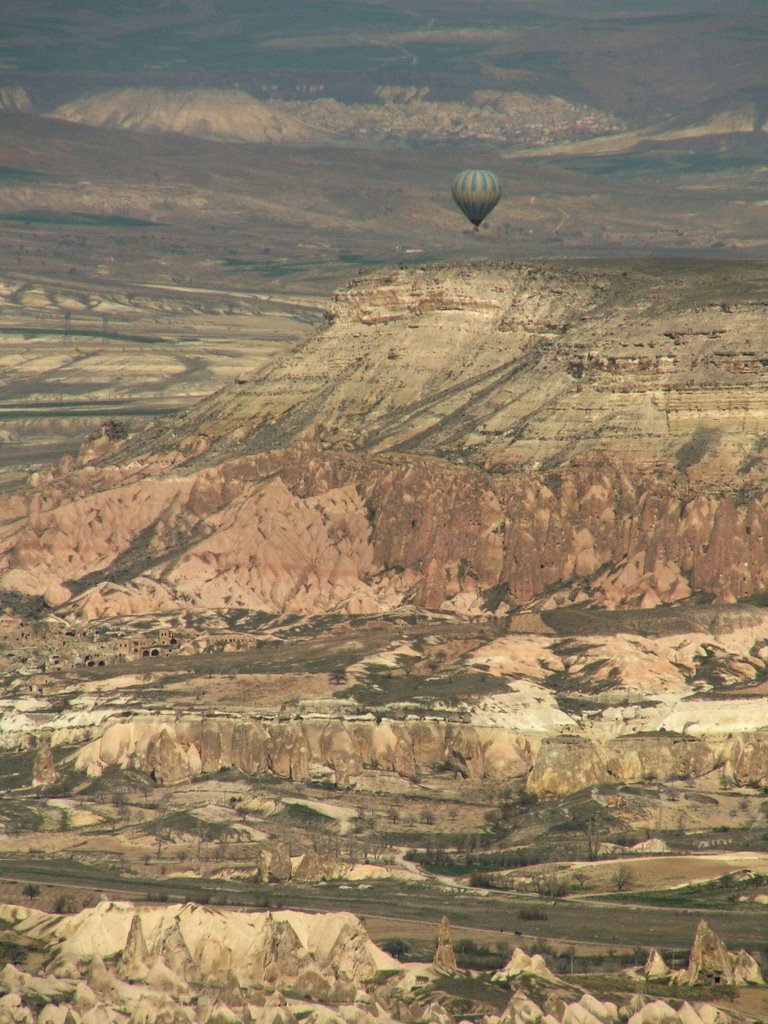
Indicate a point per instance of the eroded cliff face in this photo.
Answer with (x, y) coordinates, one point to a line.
(176, 750)
(309, 531)
(455, 437)
(414, 696)
(513, 364)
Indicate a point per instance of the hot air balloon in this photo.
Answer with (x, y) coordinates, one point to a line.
(476, 193)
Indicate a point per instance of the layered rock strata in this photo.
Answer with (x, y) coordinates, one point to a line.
(172, 751)
(456, 437)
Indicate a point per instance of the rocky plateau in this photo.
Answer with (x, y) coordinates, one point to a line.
(590, 432)
(464, 594)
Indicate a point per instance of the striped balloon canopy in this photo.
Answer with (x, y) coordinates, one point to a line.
(476, 193)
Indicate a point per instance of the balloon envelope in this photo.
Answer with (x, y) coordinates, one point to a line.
(476, 193)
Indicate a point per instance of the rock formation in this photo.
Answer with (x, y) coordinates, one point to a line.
(315, 868)
(230, 967)
(274, 864)
(589, 1009)
(710, 963)
(537, 347)
(456, 441)
(655, 966)
(419, 478)
(550, 765)
(134, 958)
(521, 964)
(444, 958)
(166, 760)
(196, 942)
(44, 770)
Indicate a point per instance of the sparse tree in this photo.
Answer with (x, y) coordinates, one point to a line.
(591, 830)
(571, 952)
(623, 878)
(551, 883)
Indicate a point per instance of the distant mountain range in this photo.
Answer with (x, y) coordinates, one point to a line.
(491, 116)
(638, 63)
